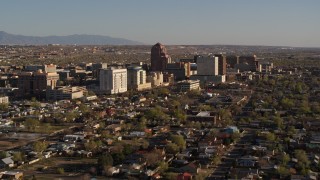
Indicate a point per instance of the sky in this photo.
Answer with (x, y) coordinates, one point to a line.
(198, 22)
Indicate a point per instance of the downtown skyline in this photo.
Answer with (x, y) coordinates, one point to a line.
(271, 23)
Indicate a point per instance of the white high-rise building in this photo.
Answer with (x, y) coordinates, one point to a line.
(208, 66)
(113, 81)
(137, 78)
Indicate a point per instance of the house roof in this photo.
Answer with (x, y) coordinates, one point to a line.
(7, 160)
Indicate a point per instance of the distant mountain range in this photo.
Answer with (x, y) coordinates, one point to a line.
(79, 39)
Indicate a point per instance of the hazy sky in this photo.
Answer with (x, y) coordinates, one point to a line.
(241, 22)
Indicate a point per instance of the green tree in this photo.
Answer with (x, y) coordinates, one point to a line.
(118, 158)
(35, 103)
(71, 116)
(3, 154)
(91, 145)
(270, 136)
(127, 149)
(18, 156)
(285, 158)
(163, 166)
(4, 106)
(303, 164)
(105, 160)
(179, 141)
(156, 113)
(283, 171)
(60, 170)
(216, 160)
(40, 146)
(287, 103)
(172, 148)
(31, 124)
(278, 121)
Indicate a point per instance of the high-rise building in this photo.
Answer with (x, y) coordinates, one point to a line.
(113, 81)
(232, 61)
(208, 66)
(222, 64)
(137, 78)
(159, 58)
(208, 70)
(243, 63)
(35, 83)
(251, 61)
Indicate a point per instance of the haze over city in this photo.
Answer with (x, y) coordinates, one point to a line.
(246, 22)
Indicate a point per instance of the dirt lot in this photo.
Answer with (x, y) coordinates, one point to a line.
(74, 168)
(11, 140)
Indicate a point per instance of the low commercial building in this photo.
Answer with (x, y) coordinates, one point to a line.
(188, 85)
(66, 93)
(4, 100)
(156, 79)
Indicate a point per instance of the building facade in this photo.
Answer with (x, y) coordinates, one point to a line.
(156, 79)
(137, 78)
(113, 81)
(208, 66)
(159, 58)
(222, 64)
(35, 83)
(66, 93)
(4, 100)
(188, 85)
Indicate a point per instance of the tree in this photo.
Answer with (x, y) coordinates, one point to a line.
(285, 158)
(91, 145)
(18, 156)
(105, 160)
(118, 158)
(193, 93)
(156, 113)
(71, 116)
(35, 103)
(127, 149)
(40, 146)
(225, 116)
(270, 136)
(283, 171)
(3, 154)
(179, 141)
(172, 148)
(45, 128)
(179, 114)
(163, 166)
(278, 121)
(152, 158)
(303, 162)
(4, 106)
(31, 124)
(60, 170)
(215, 160)
(287, 103)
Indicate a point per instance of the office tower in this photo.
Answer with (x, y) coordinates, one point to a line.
(208, 66)
(251, 60)
(232, 61)
(159, 58)
(113, 81)
(35, 83)
(222, 64)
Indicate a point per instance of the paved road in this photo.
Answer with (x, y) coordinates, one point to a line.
(230, 155)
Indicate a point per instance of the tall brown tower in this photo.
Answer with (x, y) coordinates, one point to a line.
(159, 57)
